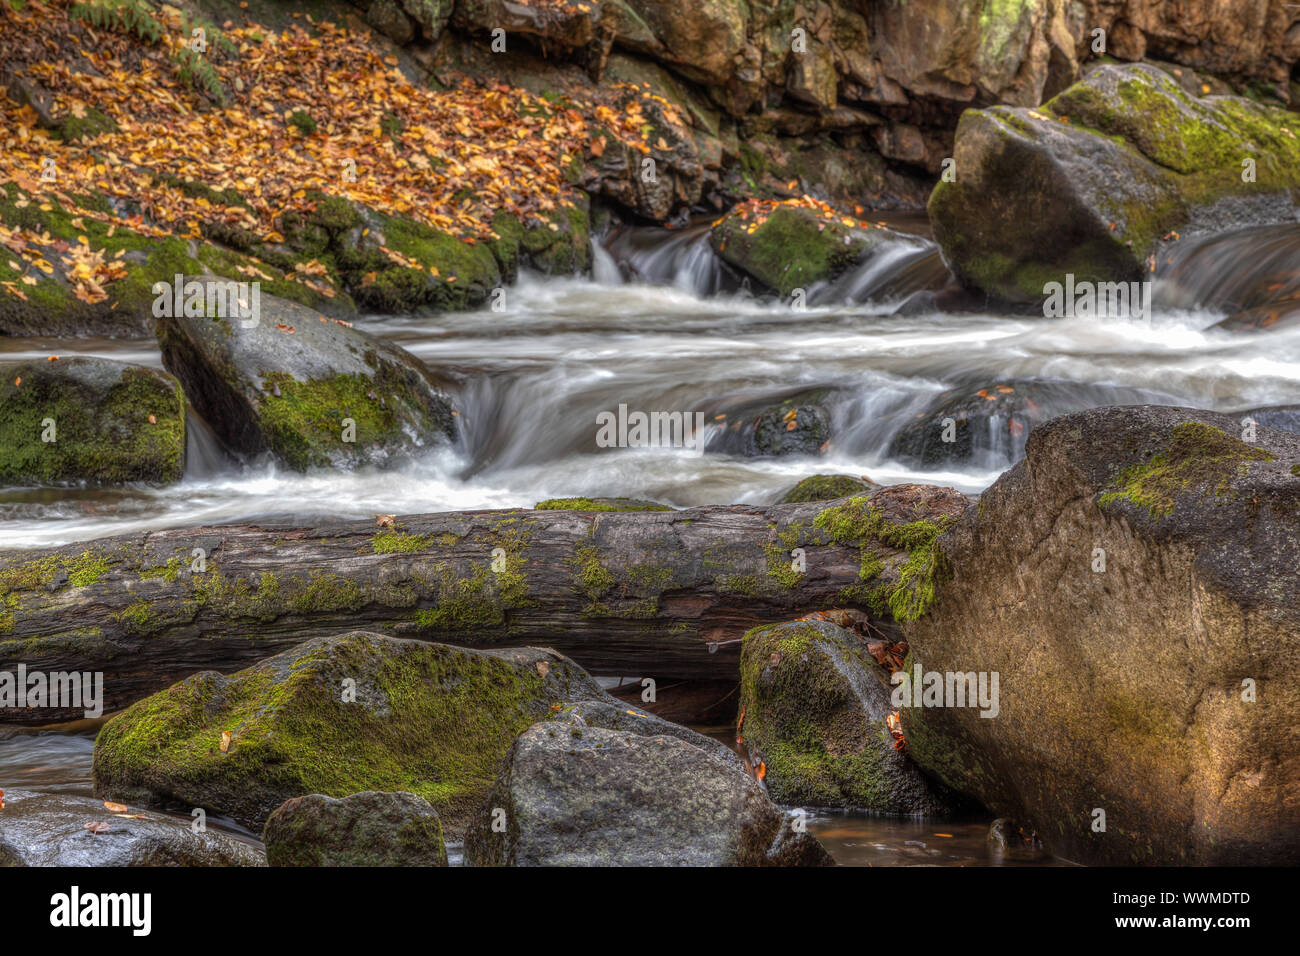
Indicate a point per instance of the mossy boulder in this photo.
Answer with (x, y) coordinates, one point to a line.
(1132, 583)
(790, 245)
(311, 391)
(89, 420)
(827, 488)
(574, 795)
(50, 829)
(557, 243)
(49, 228)
(1094, 180)
(361, 829)
(815, 706)
(386, 263)
(600, 504)
(335, 716)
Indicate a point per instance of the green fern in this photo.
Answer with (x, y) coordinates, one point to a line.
(197, 73)
(121, 16)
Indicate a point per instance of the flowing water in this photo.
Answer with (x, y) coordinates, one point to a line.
(662, 325)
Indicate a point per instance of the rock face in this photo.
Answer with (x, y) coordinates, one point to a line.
(427, 718)
(49, 829)
(89, 420)
(1161, 690)
(814, 714)
(361, 829)
(1089, 184)
(570, 795)
(293, 382)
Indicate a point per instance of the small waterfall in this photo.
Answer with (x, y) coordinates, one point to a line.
(682, 258)
(205, 456)
(1232, 271)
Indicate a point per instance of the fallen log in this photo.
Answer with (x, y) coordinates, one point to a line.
(660, 594)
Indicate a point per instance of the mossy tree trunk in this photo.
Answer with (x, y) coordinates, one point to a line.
(644, 594)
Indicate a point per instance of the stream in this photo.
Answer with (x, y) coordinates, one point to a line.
(662, 324)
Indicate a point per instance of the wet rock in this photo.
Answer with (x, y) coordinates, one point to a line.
(797, 425)
(826, 488)
(310, 390)
(89, 420)
(1156, 686)
(361, 829)
(1111, 166)
(612, 714)
(50, 829)
(1281, 315)
(815, 709)
(986, 423)
(571, 795)
(390, 20)
(1008, 840)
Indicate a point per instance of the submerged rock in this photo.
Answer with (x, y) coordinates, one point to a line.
(571, 795)
(1090, 183)
(59, 829)
(814, 713)
(334, 716)
(986, 422)
(827, 488)
(799, 424)
(90, 420)
(361, 829)
(1132, 584)
(312, 391)
(1007, 840)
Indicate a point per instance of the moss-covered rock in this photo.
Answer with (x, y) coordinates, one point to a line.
(310, 390)
(600, 504)
(792, 245)
(361, 829)
(1132, 584)
(1092, 182)
(335, 716)
(827, 488)
(89, 420)
(815, 710)
(559, 243)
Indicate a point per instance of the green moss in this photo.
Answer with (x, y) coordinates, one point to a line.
(168, 572)
(74, 129)
(790, 249)
(1295, 470)
(825, 488)
(593, 578)
(858, 523)
(303, 122)
(304, 423)
(391, 542)
(603, 504)
(87, 569)
(1196, 458)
